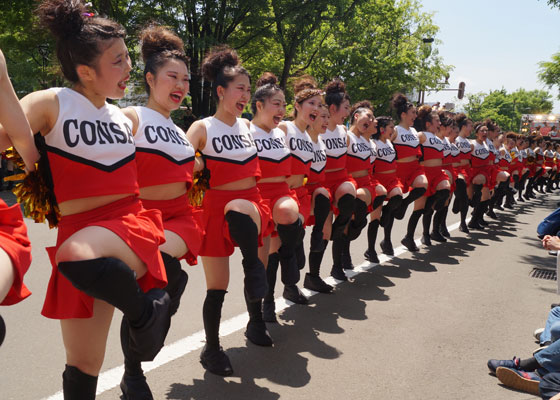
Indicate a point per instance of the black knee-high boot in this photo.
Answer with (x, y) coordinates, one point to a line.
(460, 196)
(386, 245)
(414, 195)
(133, 383)
(321, 211)
(312, 279)
(426, 222)
(477, 193)
(371, 254)
(359, 222)
(441, 197)
(291, 237)
(408, 240)
(244, 232)
(476, 216)
(378, 202)
(443, 225)
(177, 280)
(256, 328)
(213, 357)
(389, 209)
(346, 205)
(337, 271)
(77, 385)
(463, 224)
(269, 309)
(147, 314)
(436, 235)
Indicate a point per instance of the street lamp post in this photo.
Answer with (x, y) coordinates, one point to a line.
(427, 50)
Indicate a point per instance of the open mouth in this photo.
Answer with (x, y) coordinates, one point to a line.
(277, 119)
(122, 84)
(312, 117)
(240, 106)
(176, 97)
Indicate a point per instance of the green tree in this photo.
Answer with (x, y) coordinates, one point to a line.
(506, 108)
(549, 72)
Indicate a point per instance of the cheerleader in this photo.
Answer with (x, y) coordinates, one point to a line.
(549, 165)
(516, 168)
(106, 239)
(307, 103)
(320, 217)
(499, 176)
(461, 203)
(540, 179)
(269, 108)
(427, 124)
(165, 163)
(234, 213)
(522, 144)
(359, 162)
(531, 163)
(481, 175)
(337, 180)
(448, 132)
(15, 249)
(410, 172)
(384, 172)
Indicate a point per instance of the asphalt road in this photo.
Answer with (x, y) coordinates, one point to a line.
(418, 326)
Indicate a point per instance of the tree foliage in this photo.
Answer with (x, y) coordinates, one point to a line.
(506, 108)
(374, 45)
(549, 72)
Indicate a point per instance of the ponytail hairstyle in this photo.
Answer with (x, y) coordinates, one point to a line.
(304, 89)
(462, 120)
(400, 104)
(446, 118)
(424, 115)
(335, 93)
(267, 86)
(159, 44)
(358, 108)
(79, 33)
(490, 124)
(221, 66)
(382, 122)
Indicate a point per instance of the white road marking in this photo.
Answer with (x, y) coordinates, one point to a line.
(112, 377)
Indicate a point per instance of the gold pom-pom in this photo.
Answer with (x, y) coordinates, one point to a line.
(37, 199)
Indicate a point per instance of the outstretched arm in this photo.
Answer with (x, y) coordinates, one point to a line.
(14, 123)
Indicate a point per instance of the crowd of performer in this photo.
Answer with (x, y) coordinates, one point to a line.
(123, 182)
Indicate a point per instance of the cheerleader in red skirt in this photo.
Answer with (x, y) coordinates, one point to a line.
(308, 100)
(234, 212)
(447, 132)
(515, 168)
(337, 180)
(321, 216)
(427, 124)
(500, 177)
(165, 162)
(407, 144)
(385, 172)
(107, 250)
(522, 143)
(481, 175)
(359, 162)
(275, 161)
(463, 181)
(15, 249)
(549, 165)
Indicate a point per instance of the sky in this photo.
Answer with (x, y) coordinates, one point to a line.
(494, 43)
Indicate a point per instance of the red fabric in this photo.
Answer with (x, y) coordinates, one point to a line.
(435, 175)
(466, 171)
(14, 241)
(180, 217)
(76, 180)
(389, 181)
(310, 220)
(453, 172)
(151, 165)
(216, 241)
(486, 172)
(336, 178)
(304, 201)
(141, 230)
(408, 172)
(271, 192)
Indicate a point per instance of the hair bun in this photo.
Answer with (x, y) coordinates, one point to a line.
(305, 82)
(399, 101)
(335, 86)
(156, 39)
(267, 78)
(63, 18)
(217, 59)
